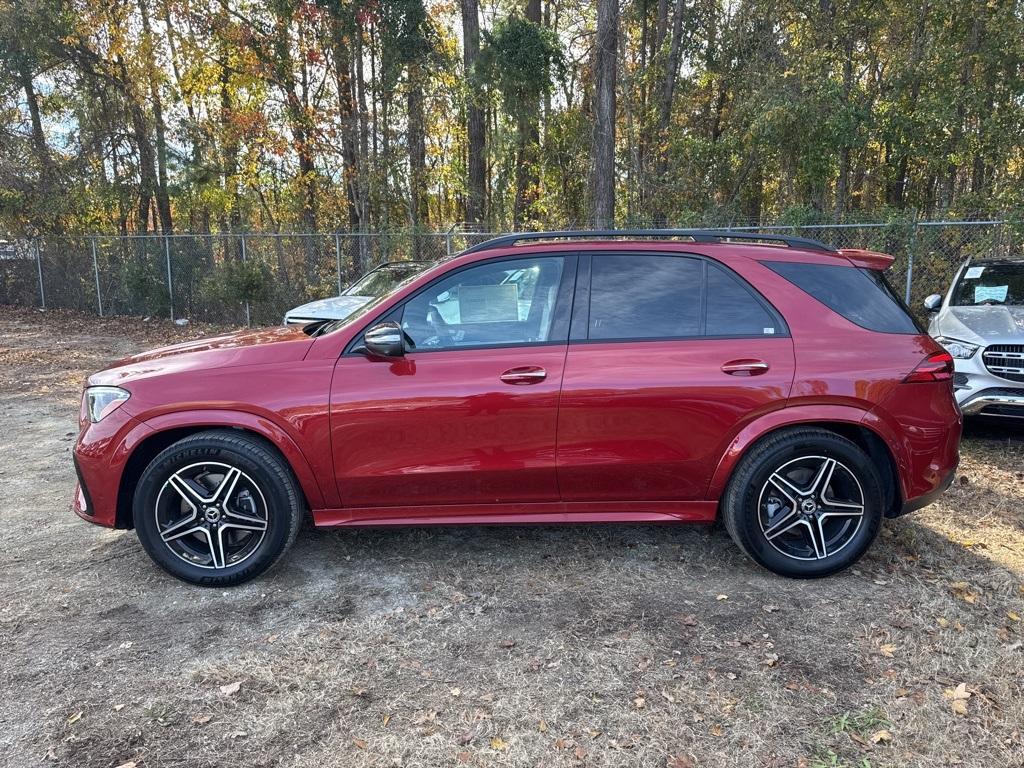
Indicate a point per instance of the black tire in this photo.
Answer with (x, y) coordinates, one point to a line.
(250, 531)
(798, 534)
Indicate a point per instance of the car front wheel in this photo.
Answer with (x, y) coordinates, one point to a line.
(804, 503)
(217, 508)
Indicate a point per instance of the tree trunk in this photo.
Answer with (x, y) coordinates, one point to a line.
(475, 131)
(163, 200)
(416, 141)
(603, 151)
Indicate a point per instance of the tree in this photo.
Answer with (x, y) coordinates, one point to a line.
(603, 150)
(476, 161)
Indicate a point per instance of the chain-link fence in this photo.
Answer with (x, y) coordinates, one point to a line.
(253, 279)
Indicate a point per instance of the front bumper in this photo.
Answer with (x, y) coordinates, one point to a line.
(979, 392)
(100, 455)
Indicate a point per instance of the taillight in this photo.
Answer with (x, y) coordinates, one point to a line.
(936, 367)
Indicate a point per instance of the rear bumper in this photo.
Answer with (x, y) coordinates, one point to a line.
(912, 505)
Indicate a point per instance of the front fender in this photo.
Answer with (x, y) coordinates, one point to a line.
(251, 422)
(796, 416)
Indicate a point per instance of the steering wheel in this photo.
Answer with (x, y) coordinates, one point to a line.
(439, 326)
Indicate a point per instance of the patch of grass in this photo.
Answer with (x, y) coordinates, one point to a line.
(863, 723)
(831, 760)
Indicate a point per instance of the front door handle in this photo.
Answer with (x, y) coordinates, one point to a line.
(526, 374)
(745, 367)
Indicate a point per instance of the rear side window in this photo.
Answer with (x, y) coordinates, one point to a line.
(645, 297)
(733, 310)
(862, 296)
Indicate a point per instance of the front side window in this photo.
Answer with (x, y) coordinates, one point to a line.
(500, 303)
(645, 297)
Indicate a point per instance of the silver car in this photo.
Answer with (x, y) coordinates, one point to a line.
(379, 281)
(980, 322)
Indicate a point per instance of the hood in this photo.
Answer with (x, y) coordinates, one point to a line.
(334, 308)
(983, 325)
(252, 347)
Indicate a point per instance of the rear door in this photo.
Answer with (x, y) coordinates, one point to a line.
(669, 355)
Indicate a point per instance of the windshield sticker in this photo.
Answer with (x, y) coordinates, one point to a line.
(990, 293)
(973, 273)
(768, 331)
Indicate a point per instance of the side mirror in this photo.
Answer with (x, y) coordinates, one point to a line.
(933, 302)
(385, 340)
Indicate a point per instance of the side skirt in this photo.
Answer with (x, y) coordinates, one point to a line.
(540, 513)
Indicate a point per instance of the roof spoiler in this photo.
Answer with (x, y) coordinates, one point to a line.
(868, 259)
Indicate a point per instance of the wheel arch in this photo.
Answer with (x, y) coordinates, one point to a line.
(845, 421)
(170, 429)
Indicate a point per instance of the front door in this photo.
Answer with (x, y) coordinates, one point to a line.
(468, 415)
(676, 351)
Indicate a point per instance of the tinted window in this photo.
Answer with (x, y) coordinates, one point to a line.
(643, 297)
(494, 304)
(860, 295)
(733, 310)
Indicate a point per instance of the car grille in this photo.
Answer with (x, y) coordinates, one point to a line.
(1005, 361)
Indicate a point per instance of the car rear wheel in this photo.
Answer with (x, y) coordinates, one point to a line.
(217, 508)
(804, 503)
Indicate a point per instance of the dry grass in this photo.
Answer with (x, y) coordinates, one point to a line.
(589, 645)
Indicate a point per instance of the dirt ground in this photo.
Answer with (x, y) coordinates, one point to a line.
(572, 646)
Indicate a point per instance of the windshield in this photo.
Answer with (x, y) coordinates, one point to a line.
(383, 280)
(989, 284)
(329, 326)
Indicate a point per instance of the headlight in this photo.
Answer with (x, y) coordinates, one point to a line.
(960, 350)
(101, 401)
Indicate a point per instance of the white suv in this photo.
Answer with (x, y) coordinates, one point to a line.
(980, 322)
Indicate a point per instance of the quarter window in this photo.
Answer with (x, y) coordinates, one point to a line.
(499, 303)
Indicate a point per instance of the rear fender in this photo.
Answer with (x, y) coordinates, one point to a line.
(799, 416)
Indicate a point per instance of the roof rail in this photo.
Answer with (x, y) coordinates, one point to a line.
(697, 235)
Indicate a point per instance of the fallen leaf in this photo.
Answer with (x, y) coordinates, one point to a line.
(958, 698)
(716, 730)
(887, 650)
(202, 719)
(770, 608)
(542, 726)
(942, 622)
(360, 743)
(455, 692)
(639, 702)
(722, 597)
(74, 718)
(507, 643)
(881, 737)
(118, 707)
(386, 720)
(1013, 616)
(680, 761)
(231, 688)
(498, 743)
(580, 753)
(463, 757)
(668, 697)
(237, 735)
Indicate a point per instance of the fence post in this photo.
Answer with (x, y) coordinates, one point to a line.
(448, 240)
(245, 258)
(910, 262)
(39, 269)
(170, 280)
(96, 273)
(337, 258)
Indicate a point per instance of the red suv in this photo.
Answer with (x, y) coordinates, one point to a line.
(687, 376)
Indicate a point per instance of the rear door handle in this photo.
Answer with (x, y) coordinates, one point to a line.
(526, 374)
(745, 367)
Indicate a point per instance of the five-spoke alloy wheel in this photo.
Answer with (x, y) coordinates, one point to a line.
(804, 503)
(217, 508)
